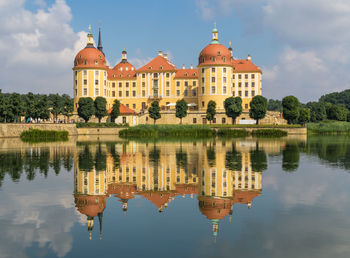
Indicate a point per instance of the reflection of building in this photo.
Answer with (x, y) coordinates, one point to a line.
(217, 77)
(160, 173)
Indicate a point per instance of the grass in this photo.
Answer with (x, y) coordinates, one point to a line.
(254, 126)
(224, 132)
(154, 131)
(329, 127)
(35, 135)
(101, 125)
(269, 133)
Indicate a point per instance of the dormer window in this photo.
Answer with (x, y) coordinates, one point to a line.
(161, 67)
(186, 74)
(219, 53)
(120, 75)
(113, 75)
(126, 68)
(194, 74)
(96, 62)
(213, 59)
(224, 59)
(100, 57)
(85, 62)
(132, 68)
(121, 69)
(149, 67)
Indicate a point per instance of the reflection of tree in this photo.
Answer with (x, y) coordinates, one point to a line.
(114, 154)
(211, 156)
(258, 160)
(290, 159)
(68, 162)
(233, 159)
(181, 159)
(56, 164)
(100, 159)
(86, 162)
(154, 157)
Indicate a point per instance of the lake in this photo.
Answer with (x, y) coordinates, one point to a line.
(249, 197)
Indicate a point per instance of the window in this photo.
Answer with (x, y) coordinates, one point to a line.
(96, 73)
(246, 106)
(223, 120)
(194, 93)
(96, 82)
(203, 104)
(127, 105)
(143, 104)
(224, 79)
(85, 82)
(85, 72)
(186, 93)
(224, 91)
(85, 91)
(253, 84)
(240, 93)
(126, 84)
(253, 93)
(186, 83)
(113, 84)
(212, 79)
(167, 75)
(246, 84)
(143, 93)
(177, 93)
(246, 93)
(239, 84)
(120, 84)
(219, 53)
(167, 84)
(233, 85)
(134, 93)
(177, 84)
(143, 75)
(167, 93)
(213, 70)
(233, 93)
(113, 93)
(143, 84)
(253, 76)
(233, 76)
(224, 70)
(203, 70)
(240, 76)
(97, 91)
(212, 89)
(134, 106)
(155, 75)
(202, 80)
(127, 93)
(214, 120)
(124, 118)
(213, 59)
(246, 76)
(194, 83)
(120, 93)
(194, 120)
(203, 90)
(134, 84)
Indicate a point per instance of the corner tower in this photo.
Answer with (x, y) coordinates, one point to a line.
(215, 73)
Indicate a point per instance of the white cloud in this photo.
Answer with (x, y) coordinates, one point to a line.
(37, 49)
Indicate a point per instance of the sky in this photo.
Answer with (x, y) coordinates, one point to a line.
(302, 47)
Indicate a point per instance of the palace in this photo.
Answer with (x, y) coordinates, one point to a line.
(218, 76)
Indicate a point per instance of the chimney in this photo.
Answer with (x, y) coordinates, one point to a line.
(183, 67)
(160, 53)
(166, 56)
(191, 66)
(249, 58)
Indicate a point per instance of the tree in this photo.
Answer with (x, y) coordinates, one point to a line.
(68, 107)
(115, 110)
(304, 116)
(5, 111)
(181, 109)
(337, 98)
(258, 108)
(17, 106)
(100, 108)
(336, 112)
(290, 157)
(211, 110)
(233, 159)
(233, 107)
(258, 160)
(86, 108)
(274, 105)
(317, 111)
(56, 104)
(85, 160)
(291, 107)
(42, 107)
(154, 111)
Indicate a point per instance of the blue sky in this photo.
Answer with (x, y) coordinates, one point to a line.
(302, 46)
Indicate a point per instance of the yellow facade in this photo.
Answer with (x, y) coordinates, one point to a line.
(210, 82)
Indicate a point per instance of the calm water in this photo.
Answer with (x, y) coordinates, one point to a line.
(223, 198)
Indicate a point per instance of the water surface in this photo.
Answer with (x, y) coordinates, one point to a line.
(248, 197)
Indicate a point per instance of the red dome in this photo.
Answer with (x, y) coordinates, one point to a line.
(215, 54)
(214, 208)
(90, 57)
(90, 205)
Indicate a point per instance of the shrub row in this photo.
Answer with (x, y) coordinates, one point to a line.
(329, 127)
(100, 125)
(35, 135)
(255, 126)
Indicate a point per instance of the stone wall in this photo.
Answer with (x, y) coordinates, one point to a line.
(15, 130)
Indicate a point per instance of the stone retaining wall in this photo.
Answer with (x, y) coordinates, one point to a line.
(290, 131)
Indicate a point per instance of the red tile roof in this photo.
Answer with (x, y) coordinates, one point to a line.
(122, 71)
(158, 64)
(124, 110)
(186, 73)
(245, 66)
(90, 57)
(214, 54)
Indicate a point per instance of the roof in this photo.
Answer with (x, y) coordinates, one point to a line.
(90, 57)
(158, 198)
(159, 63)
(186, 189)
(124, 110)
(90, 205)
(186, 73)
(214, 208)
(123, 191)
(123, 70)
(215, 54)
(242, 65)
(245, 197)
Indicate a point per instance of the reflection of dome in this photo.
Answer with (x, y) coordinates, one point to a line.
(90, 205)
(90, 57)
(159, 199)
(214, 208)
(245, 197)
(186, 189)
(215, 54)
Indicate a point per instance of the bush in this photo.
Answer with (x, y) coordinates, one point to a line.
(269, 133)
(255, 126)
(329, 127)
(35, 135)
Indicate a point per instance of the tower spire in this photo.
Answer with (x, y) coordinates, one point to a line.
(99, 46)
(215, 39)
(90, 39)
(100, 217)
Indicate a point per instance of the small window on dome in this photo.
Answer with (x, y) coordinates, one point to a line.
(100, 57)
(85, 62)
(132, 68)
(219, 53)
(126, 68)
(149, 67)
(128, 75)
(194, 74)
(96, 62)
(213, 59)
(224, 59)
(186, 74)
(121, 68)
(120, 75)
(161, 67)
(113, 75)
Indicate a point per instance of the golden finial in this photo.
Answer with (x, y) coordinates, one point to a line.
(215, 24)
(99, 23)
(230, 43)
(89, 28)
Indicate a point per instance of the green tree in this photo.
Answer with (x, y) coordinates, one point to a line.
(291, 107)
(68, 107)
(233, 107)
(233, 159)
(154, 111)
(211, 110)
(85, 160)
(274, 105)
(181, 109)
(211, 156)
(304, 116)
(290, 157)
(17, 106)
(5, 111)
(336, 112)
(100, 159)
(100, 108)
(115, 110)
(181, 159)
(42, 107)
(56, 104)
(86, 108)
(317, 111)
(337, 98)
(258, 160)
(258, 108)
